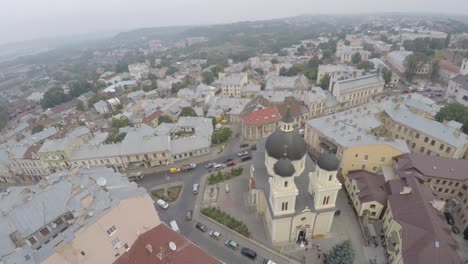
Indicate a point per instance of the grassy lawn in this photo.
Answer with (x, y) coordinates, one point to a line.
(220, 177)
(171, 195)
(227, 220)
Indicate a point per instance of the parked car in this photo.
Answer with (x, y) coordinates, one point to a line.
(242, 153)
(231, 244)
(195, 188)
(189, 167)
(249, 253)
(244, 145)
(230, 163)
(188, 216)
(253, 147)
(215, 234)
(246, 158)
(135, 176)
(209, 165)
(163, 204)
(174, 170)
(201, 227)
(449, 218)
(218, 166)
(174, 226)
(268, 261)
(228, 160)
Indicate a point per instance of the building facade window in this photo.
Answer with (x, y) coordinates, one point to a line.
(111, 230)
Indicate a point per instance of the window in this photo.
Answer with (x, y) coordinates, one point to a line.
(366, 157)
(432, 142)
(437, 181)
(83, 253)
(382, 159)
(450, 183)
(426, 139)
(374, 169)
(330, 178)
(441, 146)
(448, 149)
(413, 145)
(444, 182)
(116, 242)
(446, 190)
(32, 240)
(372, 206)
(45, 231)
(284, 206)
(456, 184)
(373, 213)
(326, 200)
(356, 155)
(68, 216)
(285, 184)
(428, 152)
(422, 149)
(126, 247)
(417, 135)
(363, 167)
(117, 254)
(111, 230)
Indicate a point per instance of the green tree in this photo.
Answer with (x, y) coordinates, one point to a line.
(96, 98)
(356, 58)
(412, 63)
(54, 96)
(365, 65)
(454, 111)
(208, 77)
(274, 61)
(171, 70)
(387, 75)
(164, 119)
(152, 76)
(325, 81)
(342, 253)
(217, 69)
(314, 62)
(327, 54)
(188, 111)
(301, 51)
(37, 129)
(78, 88)
(221, 135)
(80, 106)
(435, 71)
(347, 43)
(118, 123)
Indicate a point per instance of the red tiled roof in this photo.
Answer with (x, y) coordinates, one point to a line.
(263, 116)
(159, 237)
(153, 116)
(446, 65)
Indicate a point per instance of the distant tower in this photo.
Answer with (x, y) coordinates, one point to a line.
(464, 67)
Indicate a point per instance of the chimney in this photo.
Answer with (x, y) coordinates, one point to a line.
(149, 248)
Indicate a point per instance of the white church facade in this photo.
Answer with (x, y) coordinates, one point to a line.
(295, 197)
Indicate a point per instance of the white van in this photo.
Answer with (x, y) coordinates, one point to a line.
(174, 226)
(162, 204)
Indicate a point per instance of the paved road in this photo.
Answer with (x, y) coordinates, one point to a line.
(188, 201)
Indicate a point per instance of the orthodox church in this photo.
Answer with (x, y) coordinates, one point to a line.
(295, 196)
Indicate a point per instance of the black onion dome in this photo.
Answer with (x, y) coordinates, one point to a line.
(284, 168)
(289, 145)
(328, 162)
(287, 118)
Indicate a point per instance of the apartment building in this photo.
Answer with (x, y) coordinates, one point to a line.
(231, 85)
(365, 190)
(55, 220)
(357, 90)
(397, 60)
(338, 71)
(447, 71)
(346, 53)
(458, 86)
(283, 83)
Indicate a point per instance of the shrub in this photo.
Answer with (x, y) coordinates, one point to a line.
(227, 220)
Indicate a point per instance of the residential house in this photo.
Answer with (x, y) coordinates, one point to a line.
(359, 90)
(232, 85)
(458, 86)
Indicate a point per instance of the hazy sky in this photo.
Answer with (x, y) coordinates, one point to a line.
(31, 19)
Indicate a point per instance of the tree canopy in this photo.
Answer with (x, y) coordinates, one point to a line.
(454, 111)
(164, 119)
(54, 96)
(356, 58)
(37, 129)
(208, 77)
(325, 81)
(342, 253)
(221, 135)
(413, 62)
(188, 111)
(387, 75)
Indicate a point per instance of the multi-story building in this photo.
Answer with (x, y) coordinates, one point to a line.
(231, 85)
(447, 71)
(162, 245)
(337, 72)
(357, 90)
(458, 86)
(260, 123)
(346, 53)
(55, 220)
(283, 83)
(397, 60)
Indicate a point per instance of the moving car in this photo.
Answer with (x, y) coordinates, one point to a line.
(231, 243)
(135, 176)
(188, 216)
(189, 167)
(162, 204)
(174, 226)
(174, 170)
(249, 253)
(449, 218)
(230, 164)
(195, 188)
(201, 227)
(215, 234)
(246, 158)
(242, 153)
(244, 145)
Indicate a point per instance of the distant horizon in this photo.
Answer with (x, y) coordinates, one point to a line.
(115, 31)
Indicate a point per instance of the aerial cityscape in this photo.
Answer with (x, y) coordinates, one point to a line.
(286, 139)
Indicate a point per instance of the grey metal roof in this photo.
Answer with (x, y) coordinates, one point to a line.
(284, 168)
(288, 145)
(462, 80)
(360, 82)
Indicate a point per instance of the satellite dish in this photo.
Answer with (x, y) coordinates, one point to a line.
(172, 246)
(101, 181)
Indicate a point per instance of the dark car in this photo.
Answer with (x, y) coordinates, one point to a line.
(228, 160)
(249, 253)
(449, 218)
(244, 145)
(246, 158)
(230, 163)
(253, 147)
(188, 216)
(201, 227)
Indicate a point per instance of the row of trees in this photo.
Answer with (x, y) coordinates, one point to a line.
(56, 95)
